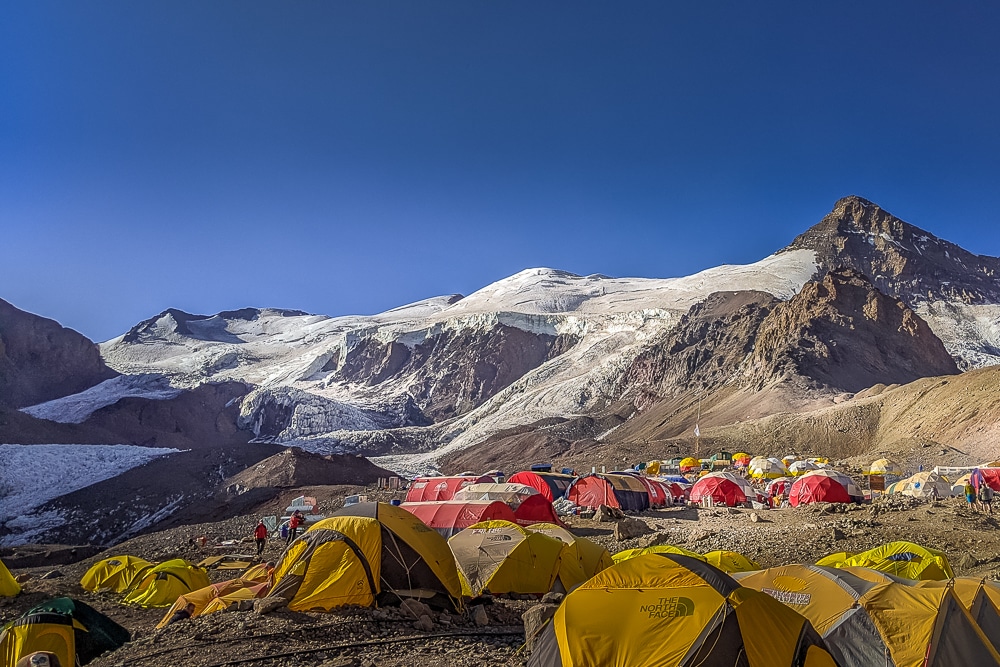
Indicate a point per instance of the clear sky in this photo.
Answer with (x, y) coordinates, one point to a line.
(349, 157)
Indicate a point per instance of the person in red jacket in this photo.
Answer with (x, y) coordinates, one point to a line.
(293, 525)
(260, 537)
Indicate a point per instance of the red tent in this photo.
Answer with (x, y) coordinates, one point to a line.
(550, 484)
(622, 491)
(536, 509)
(817, 489)
(723, 491)
(677, 492)
(449, 517)
(659, 494)
(991, 476)
(424, 489)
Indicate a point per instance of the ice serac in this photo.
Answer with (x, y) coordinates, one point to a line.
(955, 291)
(41, 360)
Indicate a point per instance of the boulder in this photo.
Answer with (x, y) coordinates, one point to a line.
(479, 616)
(552, 597)
(606, 514)
(267, 605)
(414, 608)
(424, 623)
(535, 619)
(628, 528)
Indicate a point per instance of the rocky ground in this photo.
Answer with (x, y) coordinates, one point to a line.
(362, 637)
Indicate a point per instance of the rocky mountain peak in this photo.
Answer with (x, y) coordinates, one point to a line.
(900, 259)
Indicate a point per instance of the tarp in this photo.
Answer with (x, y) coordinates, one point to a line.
(8, 586)
(161, 585)
(621, 491)
(501, 557)
(551, 485)
(424, 489)
(216, 597)
(68, 628)
(667, 609)
(115, 574)
(365, 553)
(450, 516)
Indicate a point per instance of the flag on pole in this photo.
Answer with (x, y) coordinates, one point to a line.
(697, 431)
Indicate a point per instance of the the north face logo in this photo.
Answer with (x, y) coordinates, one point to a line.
(669, 608)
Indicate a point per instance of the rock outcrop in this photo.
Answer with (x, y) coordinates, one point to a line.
(41, 360)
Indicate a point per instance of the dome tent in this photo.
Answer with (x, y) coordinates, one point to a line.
(903, 559)
(876, 620)
(656, 549)
(8, 585)
(502, 557)
(826, 486)
(885, 467)
(216, 597)
(68, 628)
(621, 491)
(161, 585)
(667, 609)
(366, 554)
(552, 485)
(424, 489)
(731, 561)
(115, 574)
(580, 558)
(450, 516)
(724, 489)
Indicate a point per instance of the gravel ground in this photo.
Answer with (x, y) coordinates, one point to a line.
(363, 637)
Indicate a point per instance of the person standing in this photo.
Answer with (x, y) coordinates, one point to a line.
(260, 537)
(986, 497)
(970, 494)
(294, 522)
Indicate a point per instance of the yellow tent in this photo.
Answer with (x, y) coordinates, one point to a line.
(688, 464)
(768, 468)
(216, 597)
(667, 609)
(981, 597)
(68, 628)
(8, 586)
(260, 573)
(730, 561)
(657, 549)
(884, 467)
(115, 574)
(366, 554)
(161, 585)
(869, 623)
(580, 558)
(833, 559)
(924, 485)
(903, 559)
(502, 557)
(652, 468)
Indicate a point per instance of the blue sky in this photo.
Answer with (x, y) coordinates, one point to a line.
(349, 157)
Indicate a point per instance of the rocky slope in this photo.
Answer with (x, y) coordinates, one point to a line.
(41, 360)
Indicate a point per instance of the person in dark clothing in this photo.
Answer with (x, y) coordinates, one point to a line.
(182, 614)
(260, 537)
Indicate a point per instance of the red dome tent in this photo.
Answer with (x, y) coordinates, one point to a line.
(824, 486)
(424, 489)
(536, 509)
(550, 484)
(723, 489)
(622, 491)
(659, 494)
(450, 516)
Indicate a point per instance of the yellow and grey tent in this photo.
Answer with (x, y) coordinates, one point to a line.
(161, 585)
(878, 621)
(217, 597)
(68, 628)
(657, 549)
(730, 561)
(366, 554)
(580, 558)
(903, 559)
(502, 557)
(260, 573)
(981, 597)
(668, 609)
(115, 574)
(8, 585)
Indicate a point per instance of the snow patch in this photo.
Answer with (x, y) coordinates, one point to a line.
(76, 408)
(32, 475)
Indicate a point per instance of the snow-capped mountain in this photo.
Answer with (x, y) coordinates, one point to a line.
(443, 374)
